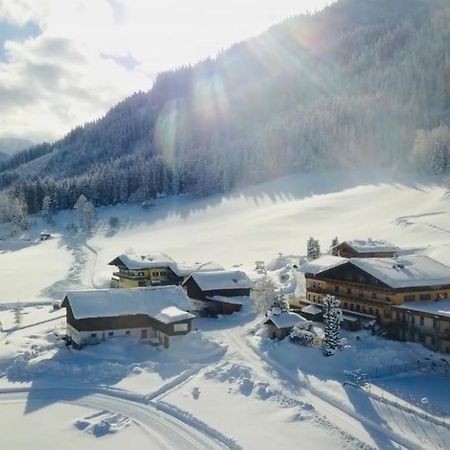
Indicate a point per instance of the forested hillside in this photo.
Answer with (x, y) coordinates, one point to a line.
(362, 83)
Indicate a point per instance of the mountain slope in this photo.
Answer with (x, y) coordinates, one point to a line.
(349, 86)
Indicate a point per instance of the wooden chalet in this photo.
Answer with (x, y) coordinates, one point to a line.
(145, 270)
(382, 289)
(219, 292)
(365, 249)
(154, 314)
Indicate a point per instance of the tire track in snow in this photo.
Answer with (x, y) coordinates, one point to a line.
(170, 430)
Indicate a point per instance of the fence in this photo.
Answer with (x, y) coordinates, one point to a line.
(442, 367)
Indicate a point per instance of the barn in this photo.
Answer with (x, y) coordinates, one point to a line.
(218, 292)
(155, 314)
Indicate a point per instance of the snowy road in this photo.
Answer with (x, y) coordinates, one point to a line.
(164, 431)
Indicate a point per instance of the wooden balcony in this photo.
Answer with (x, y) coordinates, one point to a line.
(343, 296)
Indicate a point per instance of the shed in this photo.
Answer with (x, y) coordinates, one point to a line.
(280, 325)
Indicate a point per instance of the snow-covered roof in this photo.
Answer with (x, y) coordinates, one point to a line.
(322, 263)
(371, 245)
(225, 279)
(440, 307)
(286, 319)
(312, 309)
(405, 271)
(185, 270)
(173, 314)
(148, 261)
(169, 303)
(236, 300)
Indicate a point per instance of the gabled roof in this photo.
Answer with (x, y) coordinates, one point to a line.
(371, 246)
(403, 272)
(217, 280)
(285, 319)
(322, 263)
(149, 261)
(166, 303)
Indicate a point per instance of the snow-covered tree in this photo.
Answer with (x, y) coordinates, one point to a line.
(331, 322)
(312, 248)
(48, 209)
(303, 333)
(333, 249)
(86, 213)
(279, 303)
(264, 294)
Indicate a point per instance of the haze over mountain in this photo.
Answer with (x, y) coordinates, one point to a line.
(363, 83)
(10, 146)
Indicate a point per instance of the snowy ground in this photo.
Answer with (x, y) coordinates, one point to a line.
(225, 385)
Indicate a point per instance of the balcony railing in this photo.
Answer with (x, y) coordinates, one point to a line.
(350, 297)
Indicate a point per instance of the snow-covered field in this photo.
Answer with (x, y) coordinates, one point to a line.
(225, 385)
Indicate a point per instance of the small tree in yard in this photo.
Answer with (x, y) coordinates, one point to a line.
(264, 293)
(312, 248)
(280, 303)
(331, 323)
(303, 333)
(333, 249)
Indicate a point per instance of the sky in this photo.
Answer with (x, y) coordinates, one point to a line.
(66, 62)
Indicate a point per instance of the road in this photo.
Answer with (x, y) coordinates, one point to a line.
(164, 431)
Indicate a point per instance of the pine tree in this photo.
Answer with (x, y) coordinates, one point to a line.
(331, 322)
(18, 314)
(86, 213)
(333, 249)
(312, 248)
(280, 303)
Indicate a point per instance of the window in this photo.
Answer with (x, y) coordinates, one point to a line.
(143, 334)
(374, 295)
(387, 298)
(351, 307)
(93, 335)
(425, 296)
(371, 311)
(336, 289)
(140, 274)
(345, 305)
(127, 332)
(387, 313)
(422, 321)
(410, 298)
(179, 327)
(111, 333)
(349, 291)
(358, 307)
(435, 322)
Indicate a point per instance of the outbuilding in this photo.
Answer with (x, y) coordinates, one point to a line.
(218, 292)
(279, 325)
(154, 314)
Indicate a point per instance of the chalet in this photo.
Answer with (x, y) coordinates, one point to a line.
(145, 270)
(154, 314)
(365, 249)
(280, 324)
(379, 288)
(219, 292)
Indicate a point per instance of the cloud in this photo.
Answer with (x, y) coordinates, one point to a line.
(90, 54)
